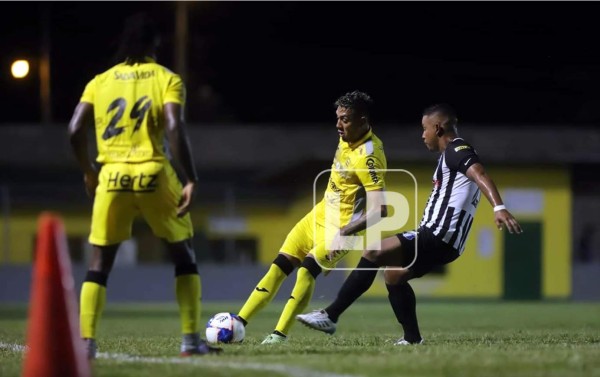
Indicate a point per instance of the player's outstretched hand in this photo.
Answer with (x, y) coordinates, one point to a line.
(91, 182)
(187, 195)
(505, 218)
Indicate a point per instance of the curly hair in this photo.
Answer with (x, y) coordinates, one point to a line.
(358, 101)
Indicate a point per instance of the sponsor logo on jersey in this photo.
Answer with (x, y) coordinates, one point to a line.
(461, 147)
(333, 186)
(132, 183)
(372, 170)
(135, 75)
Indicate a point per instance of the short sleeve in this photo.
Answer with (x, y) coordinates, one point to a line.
(460, 157)
(89, 92)
(175, 92)
(371, 173)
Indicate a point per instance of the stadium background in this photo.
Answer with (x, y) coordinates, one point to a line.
(261, 81)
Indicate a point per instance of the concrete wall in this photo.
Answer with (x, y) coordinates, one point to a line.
(157, 283)
(586, 281)
(231, 283)
(264, 147)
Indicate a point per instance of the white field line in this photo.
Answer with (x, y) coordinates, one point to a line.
(207, 361)
(12, 347)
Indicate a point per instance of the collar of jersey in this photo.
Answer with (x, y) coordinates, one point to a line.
(147, 59)
(362, 139)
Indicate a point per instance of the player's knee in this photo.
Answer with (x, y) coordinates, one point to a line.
(372, 255)
(186, 269)
(396, 276)
(98, 277)
(182, 253)
(103, 258)
(284, 263)
(312, 266)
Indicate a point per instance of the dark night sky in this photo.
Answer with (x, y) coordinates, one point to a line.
(286, 62)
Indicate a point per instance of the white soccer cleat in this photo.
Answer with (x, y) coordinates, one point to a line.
(274, 339)
(404, 342)
(318, 320)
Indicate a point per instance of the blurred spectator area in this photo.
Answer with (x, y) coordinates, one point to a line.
(270, 165)
(256, 182)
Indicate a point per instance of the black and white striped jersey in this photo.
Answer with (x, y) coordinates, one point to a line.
(451, 206)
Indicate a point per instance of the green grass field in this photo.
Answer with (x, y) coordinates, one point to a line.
(463, 339)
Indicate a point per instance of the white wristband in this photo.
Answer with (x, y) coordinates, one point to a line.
(499, 208)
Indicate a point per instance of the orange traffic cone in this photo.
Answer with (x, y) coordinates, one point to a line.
(54, 346)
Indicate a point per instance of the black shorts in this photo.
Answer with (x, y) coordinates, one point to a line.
(431, 251)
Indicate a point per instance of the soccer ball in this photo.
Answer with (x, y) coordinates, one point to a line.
(225, 328)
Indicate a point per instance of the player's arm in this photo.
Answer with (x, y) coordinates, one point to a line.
(83, 116)
(370, 172)
(182, 152)
(477, 174)
(371, 175)
(375, 211)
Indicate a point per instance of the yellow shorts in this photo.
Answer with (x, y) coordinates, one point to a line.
(309, 237)
(150, 189)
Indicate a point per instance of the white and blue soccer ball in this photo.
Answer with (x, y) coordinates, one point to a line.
(225, 328)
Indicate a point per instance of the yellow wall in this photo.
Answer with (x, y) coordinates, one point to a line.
(23, 228)
(473, 275)
(477, 275)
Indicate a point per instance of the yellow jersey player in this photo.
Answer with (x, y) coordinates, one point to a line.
(133, 106)
(315, 243)
(458, 181)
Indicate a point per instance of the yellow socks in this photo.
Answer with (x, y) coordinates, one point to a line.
(92, 300)
(264, 292)
(301, 295)
(187, 290)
